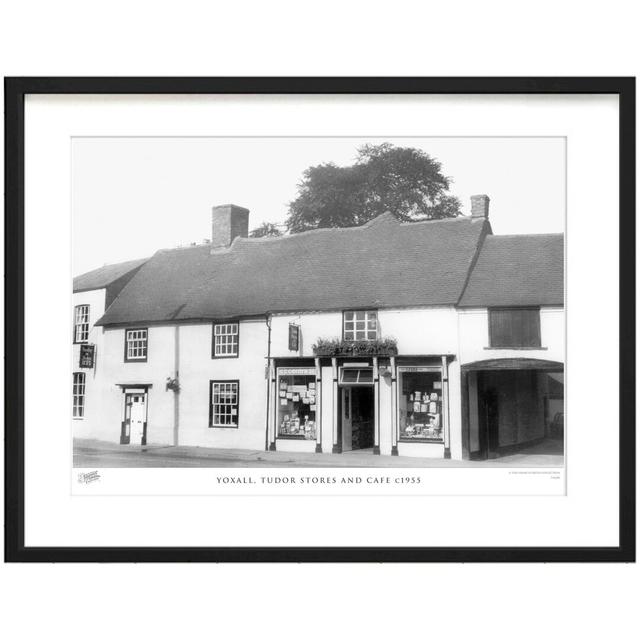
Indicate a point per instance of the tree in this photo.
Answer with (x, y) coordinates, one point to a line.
(266, 229)
(406, 181)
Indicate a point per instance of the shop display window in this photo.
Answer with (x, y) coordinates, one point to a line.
(297, 406)
(420, 404)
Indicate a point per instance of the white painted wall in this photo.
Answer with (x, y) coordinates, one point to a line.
(419, 331)
(473, 329)
(432, 331)
(327, 400)
(155, 371)
(89, 425)
(197, 368)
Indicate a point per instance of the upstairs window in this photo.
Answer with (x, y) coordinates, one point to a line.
(360, 325)
(135, 345)
(515, 327)
(225, 340)
(81, 323)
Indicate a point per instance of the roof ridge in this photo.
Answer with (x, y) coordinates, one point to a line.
(387, 215)
(112, 264)
(527, 235)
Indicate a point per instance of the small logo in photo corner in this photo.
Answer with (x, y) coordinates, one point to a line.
(88, 477)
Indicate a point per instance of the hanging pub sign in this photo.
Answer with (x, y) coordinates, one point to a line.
(294, 337)
(87, 356)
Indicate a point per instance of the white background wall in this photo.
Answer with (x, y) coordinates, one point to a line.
(50, 45)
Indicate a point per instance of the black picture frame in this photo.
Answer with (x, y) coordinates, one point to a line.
(15, 91)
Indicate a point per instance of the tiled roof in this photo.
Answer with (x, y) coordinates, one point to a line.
(383, 263)
(104, 276)
(517, 271)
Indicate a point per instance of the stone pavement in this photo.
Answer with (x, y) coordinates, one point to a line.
(98, 454)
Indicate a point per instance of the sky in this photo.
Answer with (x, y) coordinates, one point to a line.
(133, 196)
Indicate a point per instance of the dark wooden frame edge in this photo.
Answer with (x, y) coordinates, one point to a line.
(15, 91)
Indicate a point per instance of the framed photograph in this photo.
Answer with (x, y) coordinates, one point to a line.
(457, 246)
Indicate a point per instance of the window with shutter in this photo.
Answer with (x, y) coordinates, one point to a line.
(514, 327)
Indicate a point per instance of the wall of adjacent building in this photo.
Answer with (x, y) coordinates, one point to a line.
(154, 372)
(526, 421)
(473, 329)
(89, 425)
(197, 368)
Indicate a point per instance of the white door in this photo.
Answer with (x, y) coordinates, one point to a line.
(138, 415)
(346, 419)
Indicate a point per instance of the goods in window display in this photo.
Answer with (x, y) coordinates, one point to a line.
(297, 408)
(420, 405)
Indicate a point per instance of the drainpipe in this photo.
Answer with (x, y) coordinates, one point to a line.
(376, 407)
(268, 377)
(318, 406)
(176, 394)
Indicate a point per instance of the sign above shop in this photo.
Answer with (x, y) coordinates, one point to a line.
(294, 337)
(87, 356)
(296, 371)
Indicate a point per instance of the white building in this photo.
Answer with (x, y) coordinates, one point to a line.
(393, 337)
(93, 293)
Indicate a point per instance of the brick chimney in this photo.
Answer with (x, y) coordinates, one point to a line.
(227, 222)
(480, 206)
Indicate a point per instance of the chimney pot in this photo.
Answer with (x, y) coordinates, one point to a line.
(480, 206)
(228, 221)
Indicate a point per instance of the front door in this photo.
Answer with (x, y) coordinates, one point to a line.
(135, 418)
(347, 441)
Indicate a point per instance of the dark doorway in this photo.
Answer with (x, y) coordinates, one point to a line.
(357, 418)
(362, 424)
(519, 410)
(489, 422)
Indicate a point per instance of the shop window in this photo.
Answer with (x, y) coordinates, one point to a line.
(224, 403)
(518, 327)
(81, 323)
(225, 340)
(420, 404)
(78, 395)
(360, 325)
(297, 404)
(135, 345)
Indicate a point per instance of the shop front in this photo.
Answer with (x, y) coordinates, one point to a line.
(378, 405)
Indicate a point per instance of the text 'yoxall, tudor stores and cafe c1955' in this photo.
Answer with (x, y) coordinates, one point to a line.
(428, 339)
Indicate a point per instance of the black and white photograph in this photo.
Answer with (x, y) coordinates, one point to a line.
(293, 302)
(368, 306)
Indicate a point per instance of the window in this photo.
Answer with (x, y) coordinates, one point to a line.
(81, 323)
(297, 403)
(223, 411)
(78, 395)
(420, 403)
(360, 325)
(352, 376)
(225, 340)
(135, 345)
(519, 327)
